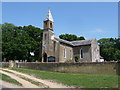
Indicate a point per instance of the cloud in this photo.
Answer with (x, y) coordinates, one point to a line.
(99, 31)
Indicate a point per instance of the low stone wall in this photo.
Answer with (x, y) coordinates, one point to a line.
(4, 64)
(84, 68)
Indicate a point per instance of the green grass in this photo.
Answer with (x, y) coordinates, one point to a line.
(77, 80)
(9, 79)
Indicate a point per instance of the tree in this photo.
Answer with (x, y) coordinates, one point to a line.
(81, 38)
(109, 48)
(36, 34)
(7, 39)
(117, 55)
(70, 37)
(18, 42)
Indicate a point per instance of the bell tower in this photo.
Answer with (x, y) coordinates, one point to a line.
(48, 21)
(48, 37)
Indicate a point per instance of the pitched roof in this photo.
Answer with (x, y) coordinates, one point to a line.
(64, 41)
(48, 16)
(76, 43)
(81, 42)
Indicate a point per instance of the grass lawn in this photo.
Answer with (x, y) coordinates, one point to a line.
(9, 79)
(77, 80)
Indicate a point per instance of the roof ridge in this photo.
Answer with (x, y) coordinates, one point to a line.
(76, 43)
(83, 40)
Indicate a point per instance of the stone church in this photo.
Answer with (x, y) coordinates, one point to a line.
(59, 50)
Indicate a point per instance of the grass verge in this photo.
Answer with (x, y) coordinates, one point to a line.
(76, 80)
(9, 79)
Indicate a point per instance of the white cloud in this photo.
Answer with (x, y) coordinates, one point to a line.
(99, 31)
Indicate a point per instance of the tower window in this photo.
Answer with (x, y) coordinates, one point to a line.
(45, 36)
(81, 54)
(50, 24)
(54, 46)
(64, 52)
(70, 54)
(46, 23)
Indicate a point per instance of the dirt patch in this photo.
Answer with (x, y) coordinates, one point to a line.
(48, 83)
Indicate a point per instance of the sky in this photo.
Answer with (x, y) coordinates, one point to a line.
(89, 19)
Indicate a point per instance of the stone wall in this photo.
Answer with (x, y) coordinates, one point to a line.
(95, 51)
(83, 68)
(4, 64)
(61, 53)
(86, 53)
(47, 44)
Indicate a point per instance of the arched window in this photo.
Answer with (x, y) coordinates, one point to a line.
(70, 54)
(64, 52)
(50, 24)
(45, 36)
(46, 24)
(81, 54)
(44, 57)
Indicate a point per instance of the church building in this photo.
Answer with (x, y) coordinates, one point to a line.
(59, 50)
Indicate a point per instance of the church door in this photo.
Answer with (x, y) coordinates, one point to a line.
(76, 59)
(45, 57)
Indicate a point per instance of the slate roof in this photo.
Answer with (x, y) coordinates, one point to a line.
(82, 42)
(64, 41)
(75, 43)
(48, 16)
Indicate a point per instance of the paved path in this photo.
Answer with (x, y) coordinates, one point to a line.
(44, 82)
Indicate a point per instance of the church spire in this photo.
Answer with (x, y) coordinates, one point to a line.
(48, 16)
(48, 21)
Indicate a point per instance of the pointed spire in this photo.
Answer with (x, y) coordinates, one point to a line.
(48, 16)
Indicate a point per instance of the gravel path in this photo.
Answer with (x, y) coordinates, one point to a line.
(45, 82)
(24, 83)
(4, 84)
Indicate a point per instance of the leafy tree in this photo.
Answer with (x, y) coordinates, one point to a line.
(81, 38)
(117, 55)
(7, 39)
(110, 48)
(36, 34)
(18, 42)
(70, 37)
